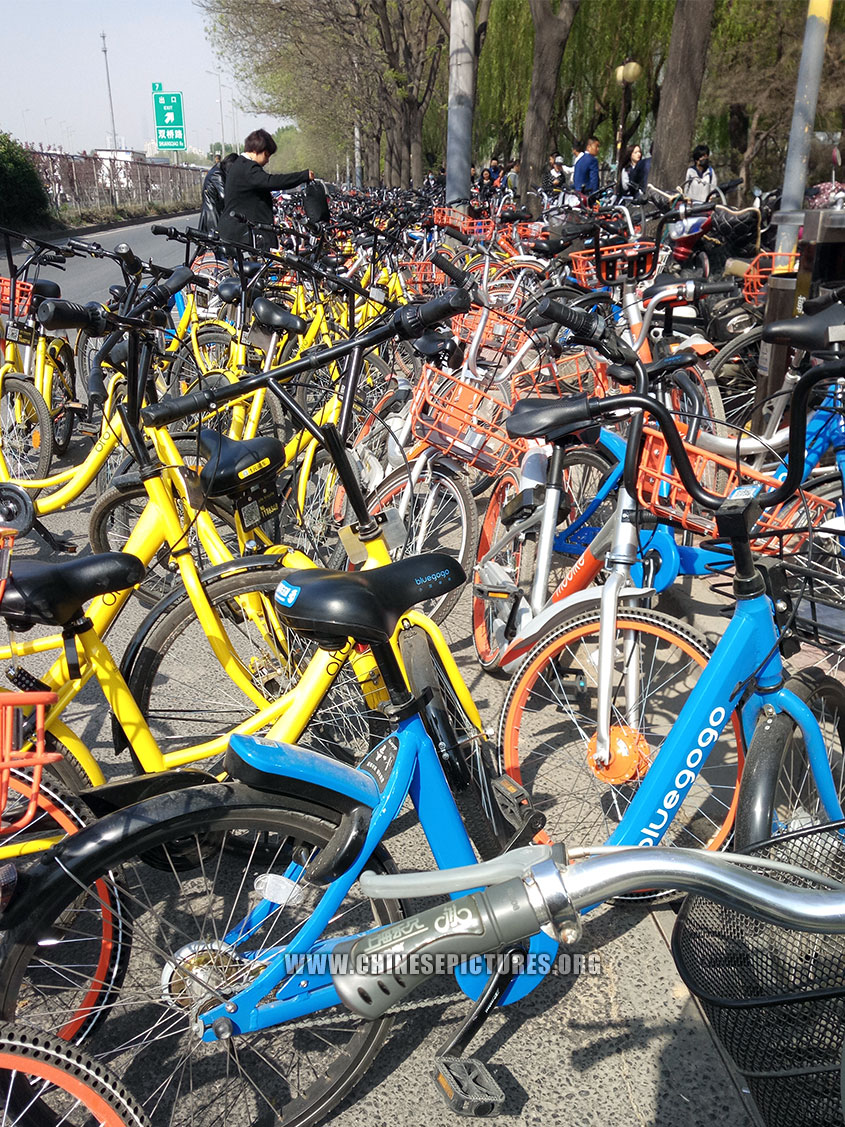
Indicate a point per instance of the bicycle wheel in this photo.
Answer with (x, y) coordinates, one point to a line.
(189, 870)
(188, 698)
(779, 792)
(440, 515)
(211, 349)
(44, 1082)
(113, 518)
(62, 392)
(547, 729)
(26, 430)
(735, 368)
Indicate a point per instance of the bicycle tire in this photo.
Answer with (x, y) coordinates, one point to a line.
(453, 734)
(45, 1082)
(59, 813)
(26, 430)
(778, 792)
(187, 700)
(214, 345)
(114, 516)
(545, 744)
(443, 518)
(62, 392)
(183, 859)
(735, 367)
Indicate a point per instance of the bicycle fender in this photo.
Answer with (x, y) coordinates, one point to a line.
(121, 793)
(556, 613)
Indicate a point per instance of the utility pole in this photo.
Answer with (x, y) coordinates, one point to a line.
(108, 85)
(461, 79)
(803, 117)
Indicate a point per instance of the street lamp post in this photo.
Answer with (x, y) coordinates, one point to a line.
(220, 103)
(234, 126)
(626, 75)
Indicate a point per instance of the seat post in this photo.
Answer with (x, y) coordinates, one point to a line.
(388, 666)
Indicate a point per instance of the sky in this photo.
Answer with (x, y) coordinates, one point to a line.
(54, 75)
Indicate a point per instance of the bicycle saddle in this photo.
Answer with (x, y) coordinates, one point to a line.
(53, 594)
(331, 606)
(229, 291)
(818, 331)
(233, 464)
(274, 316)
(553, 419)
(548, 248)
(43, 288)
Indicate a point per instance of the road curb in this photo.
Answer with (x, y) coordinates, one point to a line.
(78, 232)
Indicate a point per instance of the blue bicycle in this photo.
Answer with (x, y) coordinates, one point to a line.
(188, 937)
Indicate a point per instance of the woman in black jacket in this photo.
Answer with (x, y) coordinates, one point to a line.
(212, 194)
(248, 190)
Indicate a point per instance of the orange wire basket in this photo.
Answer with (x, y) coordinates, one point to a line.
(23, 298)
(503, 334)
(420, 277)
(617, 262)
(756, 278)
(466, 418)
(451, 217)
(12, 759)
(660, 489)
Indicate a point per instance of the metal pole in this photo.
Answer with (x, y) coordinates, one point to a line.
(222, 131)
(803, 117)
(108, 85)
(461, 83)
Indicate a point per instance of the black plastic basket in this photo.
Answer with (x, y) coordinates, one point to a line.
(775, 998)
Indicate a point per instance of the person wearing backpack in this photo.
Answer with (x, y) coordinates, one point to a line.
(700, 179)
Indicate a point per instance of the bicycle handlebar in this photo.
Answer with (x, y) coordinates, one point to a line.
(388, 964)
(824, 301)
(407, 322)
(56, 313)
(458, 276)
(130, 262)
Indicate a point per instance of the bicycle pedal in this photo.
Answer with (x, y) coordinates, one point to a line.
(92, 430)
(25, 681)
(467, 1086)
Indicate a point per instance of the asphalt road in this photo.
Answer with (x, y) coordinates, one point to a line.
(626, 1045)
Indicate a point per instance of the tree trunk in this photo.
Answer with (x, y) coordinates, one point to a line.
(415, 124)
(404, 145)
(391, 155)
(679, 94)
(550, 34)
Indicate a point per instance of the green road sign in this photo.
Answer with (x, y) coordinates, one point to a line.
(156, 87)
(170, 120)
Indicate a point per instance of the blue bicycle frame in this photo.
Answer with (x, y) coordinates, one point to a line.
(403, 764)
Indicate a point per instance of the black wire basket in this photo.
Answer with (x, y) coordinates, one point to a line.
(775, 997)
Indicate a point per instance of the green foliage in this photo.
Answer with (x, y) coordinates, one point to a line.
(23, 200)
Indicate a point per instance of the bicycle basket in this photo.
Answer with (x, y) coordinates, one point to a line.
(616, 262)
(784, 528)
(421, 277)
(23, 298)
(756, 278)
(19, 812)
(503, 334)
(775, 998)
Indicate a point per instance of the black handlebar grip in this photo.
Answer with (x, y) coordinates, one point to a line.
(457, 235)
(171, 410)
(412, 320)
(583, 324)
(705, 288)
(96, 385)
(460, 277)
(699, 208)
(58, 314)
(822, 302)
(168, 232)
(130, 262)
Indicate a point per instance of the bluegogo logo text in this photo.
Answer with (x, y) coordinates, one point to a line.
(286, 594)
(430, 578)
